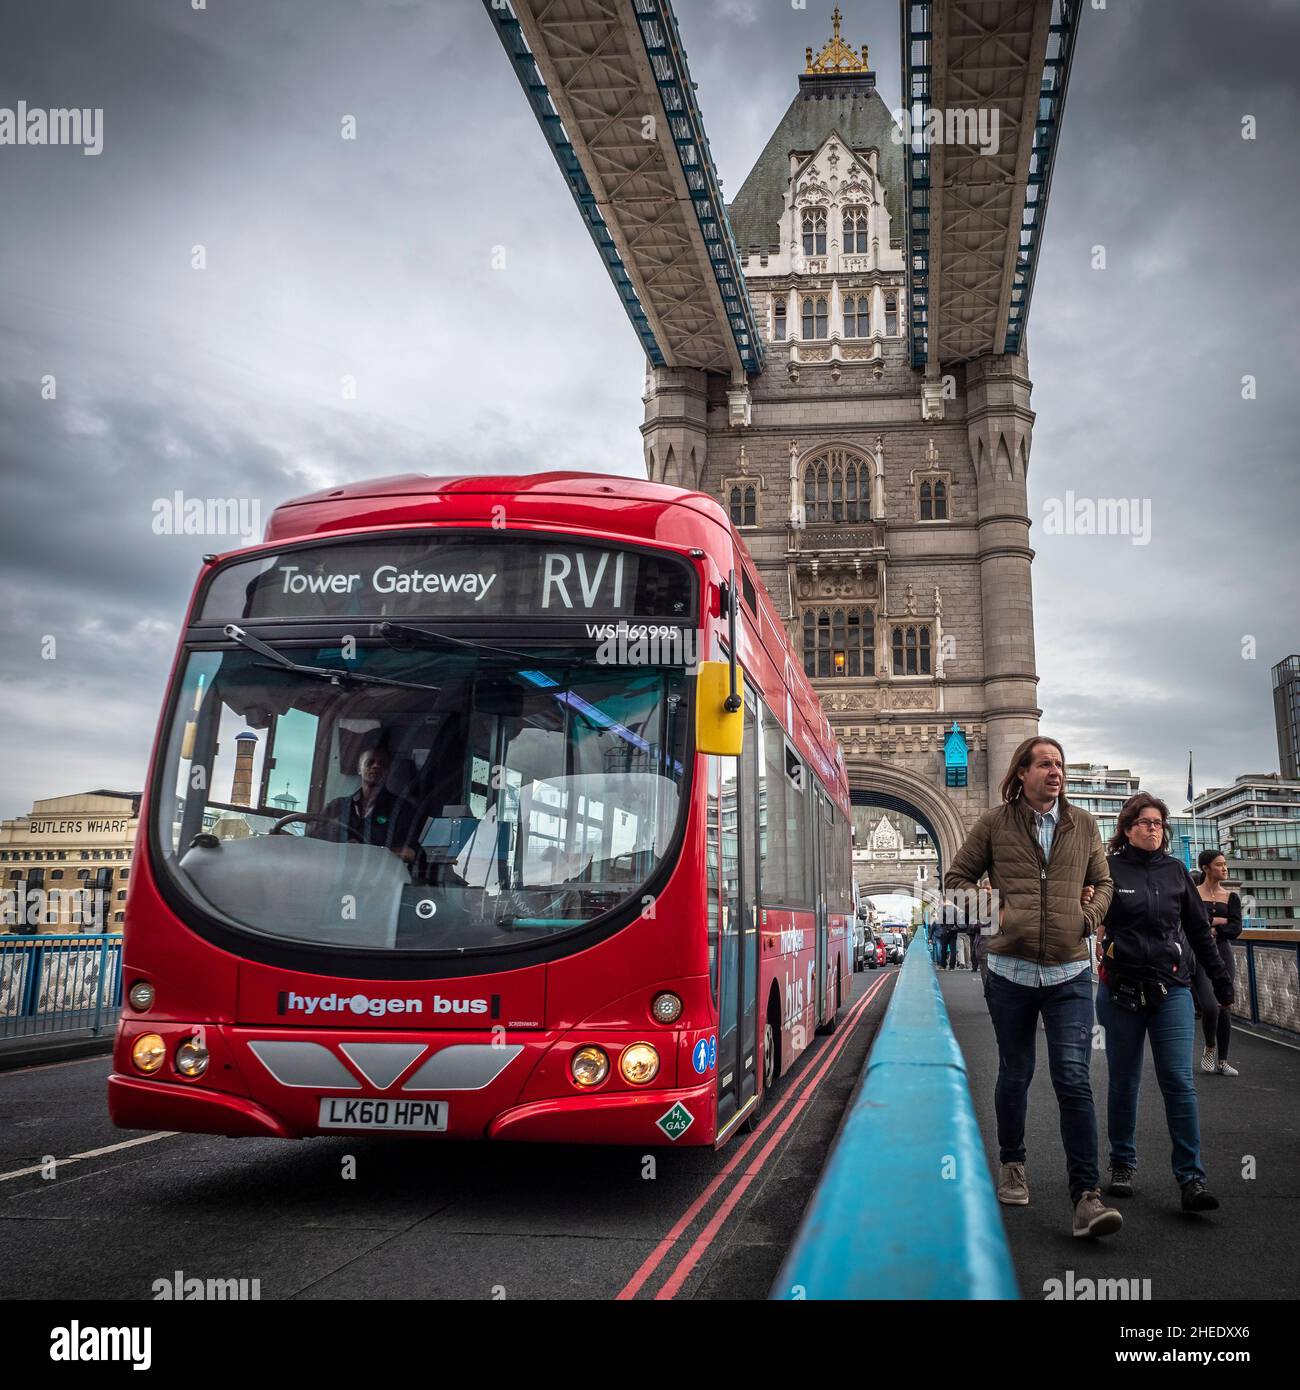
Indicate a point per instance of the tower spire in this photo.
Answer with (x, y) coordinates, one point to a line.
(837, 56)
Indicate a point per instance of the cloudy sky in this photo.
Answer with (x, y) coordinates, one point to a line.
(372, 259)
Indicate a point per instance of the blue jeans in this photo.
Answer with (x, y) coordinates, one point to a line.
(1170, 1030)
(1067, 1018)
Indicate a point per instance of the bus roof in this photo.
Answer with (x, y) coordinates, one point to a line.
(299, 515)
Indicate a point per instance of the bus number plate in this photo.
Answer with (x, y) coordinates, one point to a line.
(347, 1112)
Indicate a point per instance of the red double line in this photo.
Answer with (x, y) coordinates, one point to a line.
(800, 1093)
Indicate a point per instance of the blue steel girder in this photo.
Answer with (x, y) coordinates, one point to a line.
(677, 93)
(975, 217)
(610, 86)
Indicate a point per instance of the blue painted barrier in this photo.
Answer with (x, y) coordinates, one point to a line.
(56, 983)
(906, 1207)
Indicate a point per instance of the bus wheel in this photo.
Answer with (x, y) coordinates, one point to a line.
(771, 1063)
(833, 1022)
(771, 1046)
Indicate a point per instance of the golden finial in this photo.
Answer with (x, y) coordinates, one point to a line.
(837, 56)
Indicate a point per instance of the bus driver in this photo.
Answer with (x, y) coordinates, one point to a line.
(372, 815)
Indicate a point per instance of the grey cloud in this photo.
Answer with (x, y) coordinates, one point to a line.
(328, 257)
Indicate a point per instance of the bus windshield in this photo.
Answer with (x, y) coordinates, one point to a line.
(430, 800)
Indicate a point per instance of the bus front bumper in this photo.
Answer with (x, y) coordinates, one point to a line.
(684, 1117)
(136, 1103)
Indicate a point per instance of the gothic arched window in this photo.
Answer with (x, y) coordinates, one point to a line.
(857, 316)
(932, 499)
(814, 316)
(912, 650)
(891, 315)
(742, 504)
(855, 232)
(814, 231)
(778, 320)
(839, 642)
(837, 487)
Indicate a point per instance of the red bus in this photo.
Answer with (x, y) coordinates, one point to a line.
(446, 832)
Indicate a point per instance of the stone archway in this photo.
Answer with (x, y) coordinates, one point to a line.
(898, 789)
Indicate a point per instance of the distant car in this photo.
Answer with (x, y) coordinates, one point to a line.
(869, 944)
(894, 946)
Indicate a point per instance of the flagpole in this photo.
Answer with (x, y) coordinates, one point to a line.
(1191, 798)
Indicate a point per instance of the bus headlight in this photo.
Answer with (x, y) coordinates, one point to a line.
(142, 995)
(149, 1052)
(191, 1058)
(666, 1008)
(590, 1066)
(639, 1064)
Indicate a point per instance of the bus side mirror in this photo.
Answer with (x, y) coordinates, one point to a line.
(717, 729)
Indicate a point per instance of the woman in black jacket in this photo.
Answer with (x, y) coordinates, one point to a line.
(1224, 911)
(1144, 993)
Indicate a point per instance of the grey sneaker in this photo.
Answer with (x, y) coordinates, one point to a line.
(1013, 1190)
(1227, 1069)
(1121, 1181)
(1093, 1218)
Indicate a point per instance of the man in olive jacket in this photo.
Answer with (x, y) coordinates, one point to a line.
(1042, 855)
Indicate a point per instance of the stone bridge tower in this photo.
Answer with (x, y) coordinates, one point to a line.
(887, 513)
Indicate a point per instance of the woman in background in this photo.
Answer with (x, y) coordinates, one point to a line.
(1144, 994)
(1224, 911)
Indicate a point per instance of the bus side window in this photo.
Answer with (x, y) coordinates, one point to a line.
(291, 759)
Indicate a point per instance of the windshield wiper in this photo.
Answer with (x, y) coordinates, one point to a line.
(425, 637)
(278, 660)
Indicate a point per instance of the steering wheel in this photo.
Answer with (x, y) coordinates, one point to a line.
(278, 827)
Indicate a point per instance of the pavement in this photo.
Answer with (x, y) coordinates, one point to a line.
(1249, 1124)
(347, 1217)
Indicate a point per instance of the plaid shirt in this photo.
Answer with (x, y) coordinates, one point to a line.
(1029, 972)
(1045, 823)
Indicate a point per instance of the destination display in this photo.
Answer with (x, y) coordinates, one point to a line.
(456, 576)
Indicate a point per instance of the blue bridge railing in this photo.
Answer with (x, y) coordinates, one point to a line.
(938, 1233)
(1268, 981)
(54, 984)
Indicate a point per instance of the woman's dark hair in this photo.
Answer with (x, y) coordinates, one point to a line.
(1207, 857)
(1012, 787)
(1129, 813)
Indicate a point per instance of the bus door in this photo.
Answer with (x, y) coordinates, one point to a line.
(738, 953)
(820, 848)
